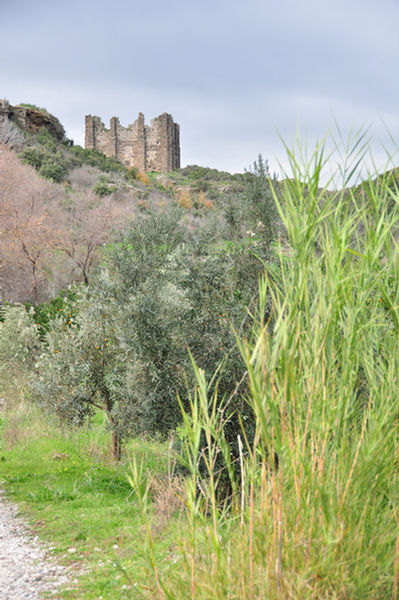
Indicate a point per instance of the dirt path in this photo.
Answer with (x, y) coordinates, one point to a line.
(25, 570)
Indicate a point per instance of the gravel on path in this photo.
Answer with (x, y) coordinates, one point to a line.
(26, 570)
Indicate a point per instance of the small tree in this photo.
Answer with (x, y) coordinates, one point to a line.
(259, 208)
(89, 222)
(86, 367)
(30, 230)
(177, 292)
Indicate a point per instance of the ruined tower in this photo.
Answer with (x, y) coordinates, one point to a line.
(154, 147)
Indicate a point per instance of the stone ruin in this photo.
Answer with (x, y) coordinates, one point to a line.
(154, 147)
(31, 119)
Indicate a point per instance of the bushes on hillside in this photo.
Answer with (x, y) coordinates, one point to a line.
(50, 165)
(53, 169)
(103, 187)
(108, 164)
(33, 157)
(54, 160)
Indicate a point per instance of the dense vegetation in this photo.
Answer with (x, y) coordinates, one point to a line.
(54, 160)
(259, 328)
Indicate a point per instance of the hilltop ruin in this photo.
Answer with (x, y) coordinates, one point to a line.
(154, 147)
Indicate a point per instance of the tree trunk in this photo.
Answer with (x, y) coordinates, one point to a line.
(116, 436)
(116, 445)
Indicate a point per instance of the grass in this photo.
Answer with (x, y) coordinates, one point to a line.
(81, 502)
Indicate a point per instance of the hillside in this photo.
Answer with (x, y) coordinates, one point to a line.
(61, 203)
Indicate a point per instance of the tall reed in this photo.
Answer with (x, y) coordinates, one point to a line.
(314, 498)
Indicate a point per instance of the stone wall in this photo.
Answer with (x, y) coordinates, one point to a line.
(154, 147)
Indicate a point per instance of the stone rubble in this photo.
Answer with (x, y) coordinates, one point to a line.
(25, 568)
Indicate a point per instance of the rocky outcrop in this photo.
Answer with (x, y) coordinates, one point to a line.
(31, 119)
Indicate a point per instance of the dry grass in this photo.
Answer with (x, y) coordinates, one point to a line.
(15, 431)
(203, 201)
(184, 199)
(167, 495)
(84, 177)
(143, 178)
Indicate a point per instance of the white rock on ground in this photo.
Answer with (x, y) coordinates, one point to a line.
(25, 569)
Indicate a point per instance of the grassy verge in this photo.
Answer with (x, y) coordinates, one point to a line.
(80, 501)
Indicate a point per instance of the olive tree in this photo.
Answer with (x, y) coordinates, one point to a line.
(85, 367)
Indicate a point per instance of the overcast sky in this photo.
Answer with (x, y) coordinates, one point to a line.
(234, 74)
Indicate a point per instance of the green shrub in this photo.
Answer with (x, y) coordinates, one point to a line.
(33, 157)
(45, 158)
(33, 107)
(95, 158)
(53, 169)
(181, 293)
(260, 207)
(103, 187)
(62, 307)
(44, 139)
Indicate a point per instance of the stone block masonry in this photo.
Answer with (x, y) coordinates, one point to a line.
(154, 147)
